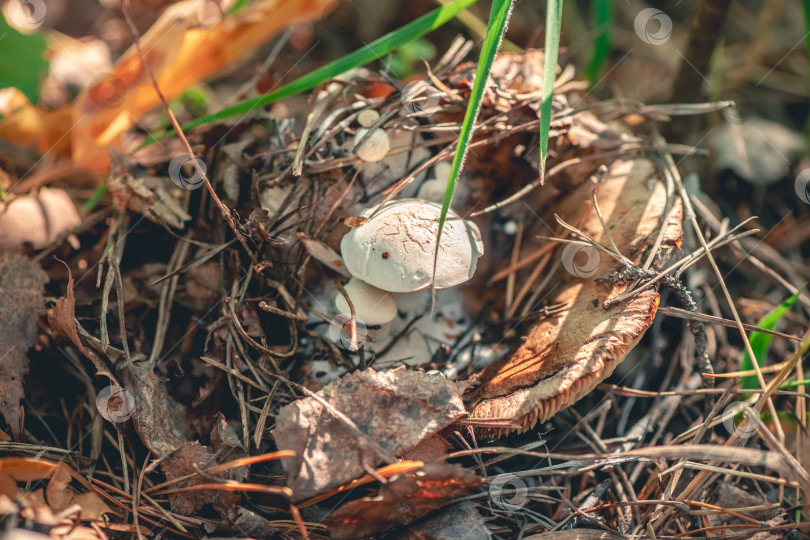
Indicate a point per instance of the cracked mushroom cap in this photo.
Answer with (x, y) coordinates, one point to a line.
(393, 250)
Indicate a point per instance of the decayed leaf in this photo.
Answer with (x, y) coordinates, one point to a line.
(182, 47)
(370, 417)
(455, 521)
(21, 300)
(323, 253)
(62, 320)
(58, 492)
(27, 125)
(402, 500)
(38, 219)
(156, 416)
(565, 357)
(190, 458)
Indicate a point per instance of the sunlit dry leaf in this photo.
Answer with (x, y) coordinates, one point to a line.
(21, 301)
(93, 507)
(182, 47)
(402, 500)
(58, 492)
(564, 357)
(323, 253)
(393, 412)
(37, 218)
(29, 126)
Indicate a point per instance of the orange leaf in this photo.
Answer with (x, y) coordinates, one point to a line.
(180, 50)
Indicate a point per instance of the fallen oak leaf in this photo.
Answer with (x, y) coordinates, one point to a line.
(403, 499)
(21, 301)
(358, 421)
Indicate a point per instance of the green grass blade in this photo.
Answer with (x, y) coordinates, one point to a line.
(368, 53)
(553, 21)
(603, 27)
(760, 343)
(496, 28)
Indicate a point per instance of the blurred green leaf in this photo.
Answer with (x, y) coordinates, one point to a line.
(760, 343)
(553, 21)
(603, 30)
(22, 60)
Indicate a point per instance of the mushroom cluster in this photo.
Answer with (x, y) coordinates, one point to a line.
(392, 253)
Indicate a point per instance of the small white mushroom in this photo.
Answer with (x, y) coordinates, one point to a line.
(367, 117)
(372, 306)
(433, 189)
(394, 250)
(375, 147)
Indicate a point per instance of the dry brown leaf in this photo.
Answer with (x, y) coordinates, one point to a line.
(156, 416)
(37, 218)
(190, 458)
(58, 492)
(402, 500)
(93, 507)
(21, 301)
(453, 522)
(565, 357)
(182, 47)
(62, 320)
(393, 411)
(323, 253)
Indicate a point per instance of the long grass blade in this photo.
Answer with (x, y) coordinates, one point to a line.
(760, 343)
(603, 29)
(553, 21)
(496, 28)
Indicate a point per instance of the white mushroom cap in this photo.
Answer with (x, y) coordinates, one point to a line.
(375, 147)
(433, 189)
(367, 117)
(372, 306)
(394, 250)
